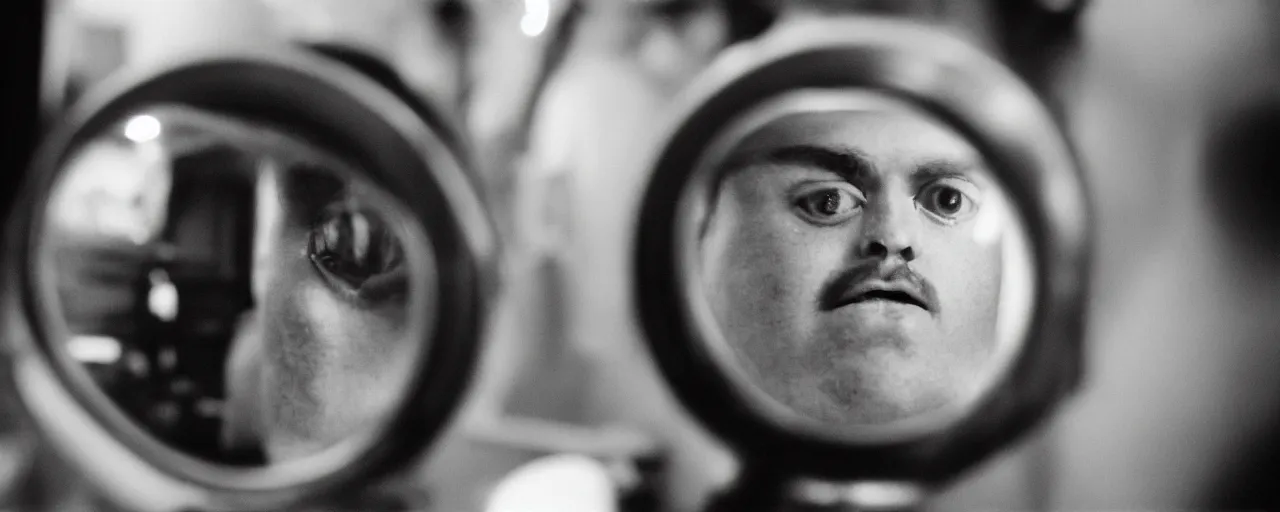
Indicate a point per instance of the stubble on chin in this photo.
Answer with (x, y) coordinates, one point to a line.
(836, 383)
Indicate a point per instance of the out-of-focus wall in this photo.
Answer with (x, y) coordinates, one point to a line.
(1183, 385)
(1184, 342)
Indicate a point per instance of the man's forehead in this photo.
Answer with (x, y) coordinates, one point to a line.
(877, 134)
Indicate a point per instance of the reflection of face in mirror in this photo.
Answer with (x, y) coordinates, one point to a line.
(853, 260)
(333, 315)
(237, 291)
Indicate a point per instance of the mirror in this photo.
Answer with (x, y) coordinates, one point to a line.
(864, 251)
(853, 265)
(231, 288)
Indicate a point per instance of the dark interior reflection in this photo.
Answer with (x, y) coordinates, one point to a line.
(166, 370)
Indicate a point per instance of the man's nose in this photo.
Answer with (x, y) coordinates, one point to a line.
(889, 230)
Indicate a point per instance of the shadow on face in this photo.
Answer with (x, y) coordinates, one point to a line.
(854, 262)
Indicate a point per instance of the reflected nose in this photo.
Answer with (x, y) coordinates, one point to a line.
(889, 230)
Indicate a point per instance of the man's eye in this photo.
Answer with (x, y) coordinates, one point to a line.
(828, 205)
(948, 202)
(353, 249)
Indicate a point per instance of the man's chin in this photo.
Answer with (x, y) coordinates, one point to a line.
(872, 407)
(867, 328)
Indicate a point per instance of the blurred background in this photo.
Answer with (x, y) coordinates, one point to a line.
(1174, 106)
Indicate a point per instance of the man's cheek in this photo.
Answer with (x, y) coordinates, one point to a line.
(958, 257)
(343, 369)
(295, 362)
(301, 322)
(986, 271)
(364, 348)
(775, 261)
(966, 276)
(359, 338)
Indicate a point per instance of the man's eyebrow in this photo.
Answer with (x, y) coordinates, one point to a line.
(850, 163)
(943, 168)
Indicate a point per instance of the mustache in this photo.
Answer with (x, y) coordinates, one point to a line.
(848, 285)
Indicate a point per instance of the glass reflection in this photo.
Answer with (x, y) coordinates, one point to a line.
(240, 293)
(862, 264)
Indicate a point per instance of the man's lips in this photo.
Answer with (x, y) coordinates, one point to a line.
(894, 291)
(893, 283)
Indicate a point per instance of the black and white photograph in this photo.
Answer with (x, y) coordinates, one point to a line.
(639, 255)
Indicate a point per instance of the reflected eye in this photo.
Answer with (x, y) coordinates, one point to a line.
(829, 204)
(948, 200)
(355, 251)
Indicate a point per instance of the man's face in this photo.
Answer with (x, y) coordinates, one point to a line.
(335, 315)
(854, 264)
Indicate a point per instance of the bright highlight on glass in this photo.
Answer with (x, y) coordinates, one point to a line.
(142, 128)
(94, 349)
(557, 483)
(162, 300)
(536, 15)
